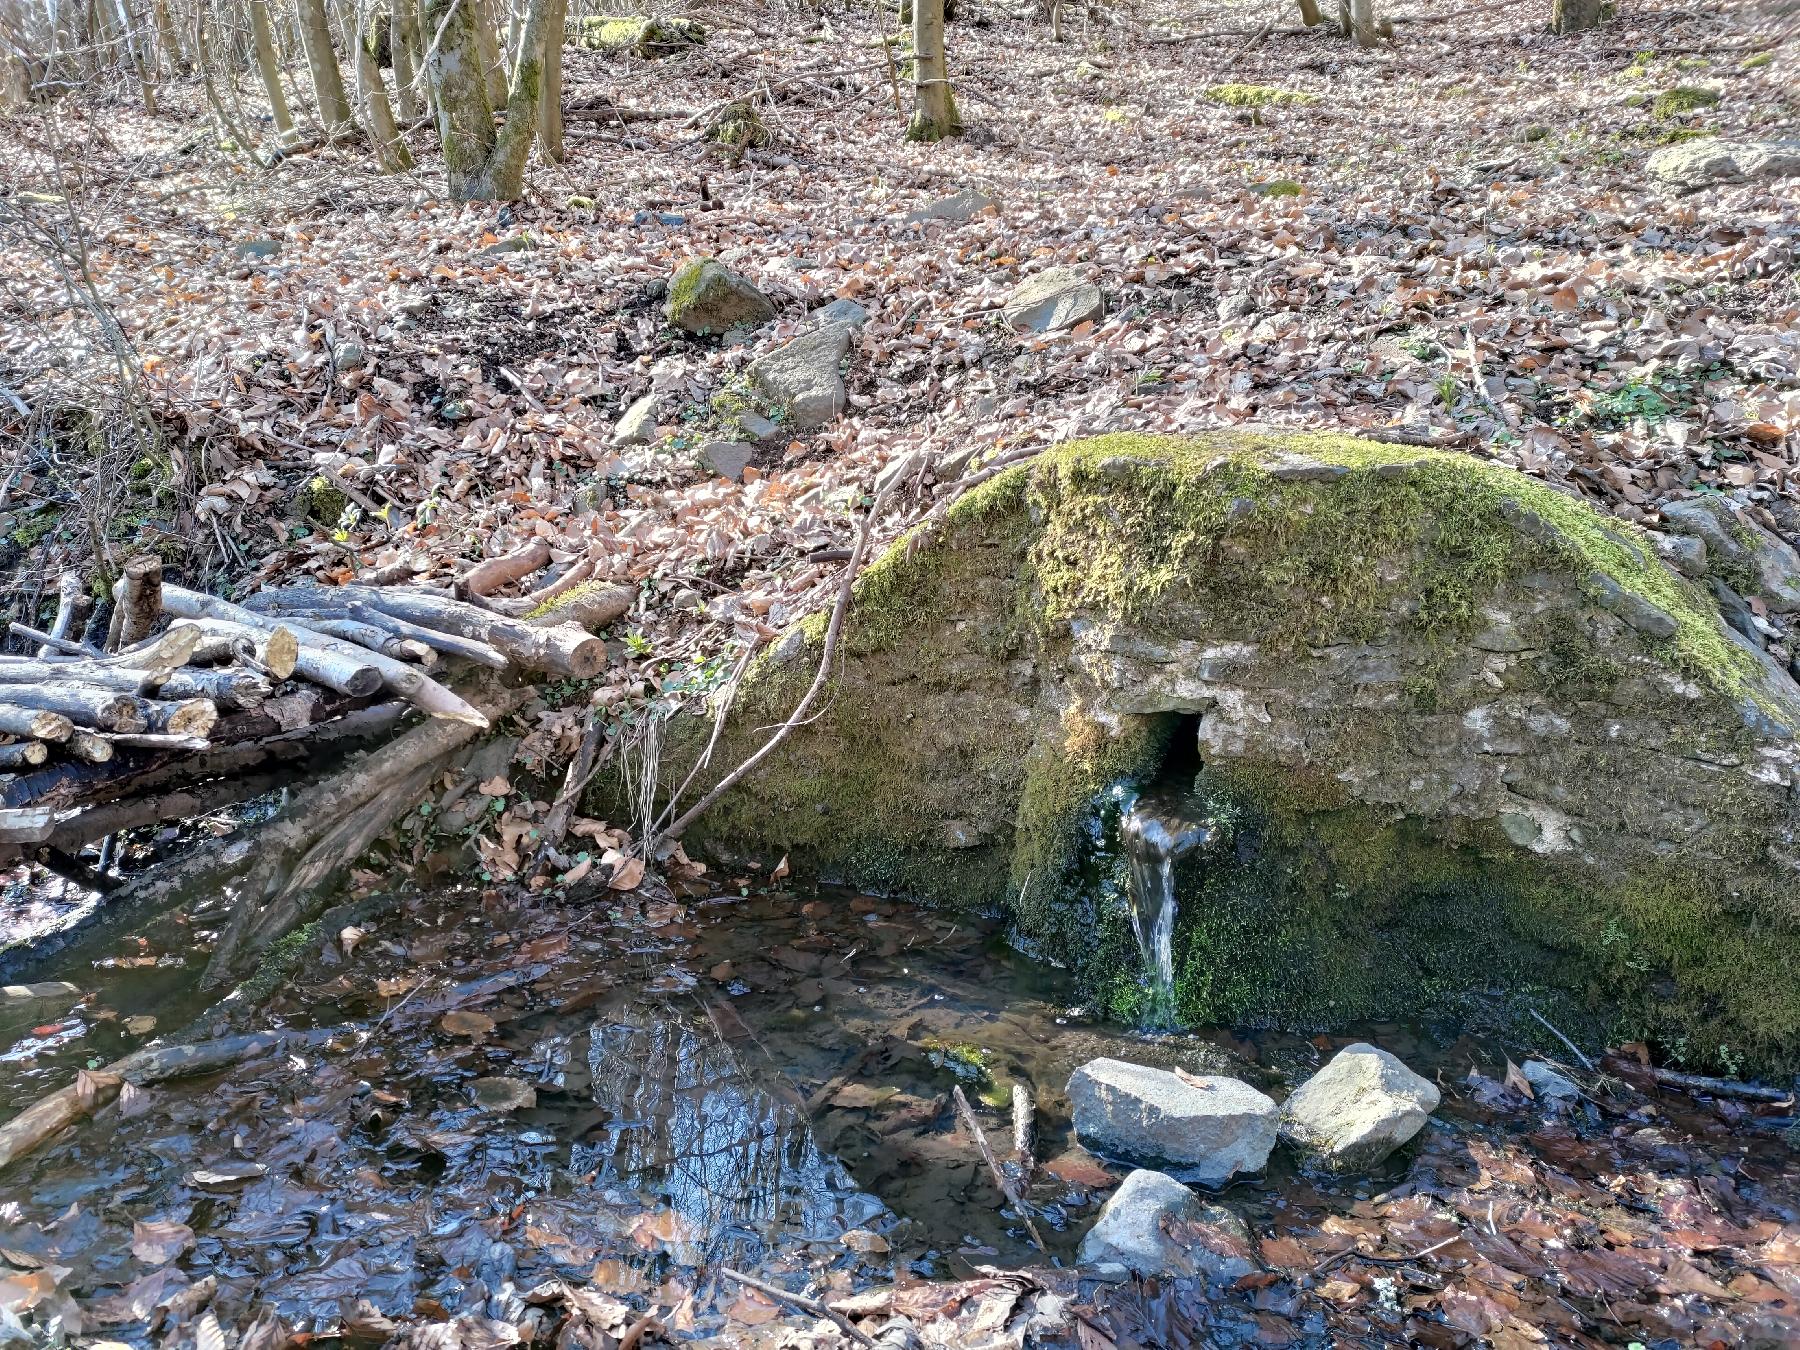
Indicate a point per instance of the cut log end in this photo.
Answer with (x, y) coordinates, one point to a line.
(282, 650)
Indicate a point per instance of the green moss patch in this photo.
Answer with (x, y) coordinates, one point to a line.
(1258, 96)
(1681, 100)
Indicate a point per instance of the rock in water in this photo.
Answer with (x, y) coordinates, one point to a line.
(1155, 1226)
(805, 376)
(707, 298)
(1549, 1084)
(1357, 1109)
(1706, 162)
(1206, 1129)
(1054, 300)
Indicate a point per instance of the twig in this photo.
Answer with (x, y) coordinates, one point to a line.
(1720, 1087)
(653, 845)
(802, 1302)
(973, 1126)
(1574, 1049)
(1225, 66)
(1351, 1252)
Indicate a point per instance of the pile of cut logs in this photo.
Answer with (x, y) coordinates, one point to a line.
(196, 702)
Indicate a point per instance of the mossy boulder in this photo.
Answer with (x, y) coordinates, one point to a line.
(1477, 747)
(640, 36)
(706, 298)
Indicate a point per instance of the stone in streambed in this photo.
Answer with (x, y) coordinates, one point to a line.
(1356, 1110)
(706, 298)
(1156, 1227)
(1203, 1128)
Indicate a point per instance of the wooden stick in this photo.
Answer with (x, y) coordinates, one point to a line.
(802, 1302)
(72, 832)
(1574, 1049)
(1024, 1115)
(575, 778)
(987, 1156)
(373, 636)
(68, 595)
(487, 577)
(274, 650)
(49, 643)
(158, 740)
(482, 653)
(1720, 1087)
(93, 1089)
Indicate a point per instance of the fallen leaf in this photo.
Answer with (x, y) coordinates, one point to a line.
(158, 1240)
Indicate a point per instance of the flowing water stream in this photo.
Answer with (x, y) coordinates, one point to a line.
(1156, 829)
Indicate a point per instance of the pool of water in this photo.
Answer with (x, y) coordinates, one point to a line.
(634, 1091)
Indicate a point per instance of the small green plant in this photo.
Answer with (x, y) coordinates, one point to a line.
(1682, 100)
(1758, 61)
(1634, 399)
(1420, 344)
(1448, 389)
(637, 644)
(1280, 187)
(1257, 95)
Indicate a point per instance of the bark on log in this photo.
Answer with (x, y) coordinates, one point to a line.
(83, 705)
(369, 626)
(68, 595)
(231, 690)
(23, 754)
(274, 650)
(89, 674)
(416, 688)
(138, 594)
(372, 636)
(588, 607)
(188, 718)
(37, 723)
(73, 832)
(552, 651)
(487, 577)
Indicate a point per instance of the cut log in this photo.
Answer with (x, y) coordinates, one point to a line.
(23, 754)
(138, 593)
(192, 717)
(487, 577)
(171, 648)
(273, 650)
(72, 832)
(83, 705)
(26, 824)
(38, 723)
(589, 607)
(88, 674)
(231, 690)
(90, 747)
(562, 650)
(416, 688)
(372, 636)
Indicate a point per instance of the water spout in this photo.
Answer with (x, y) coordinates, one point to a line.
(1156, 832)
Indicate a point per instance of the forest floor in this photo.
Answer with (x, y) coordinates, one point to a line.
(1451, 240)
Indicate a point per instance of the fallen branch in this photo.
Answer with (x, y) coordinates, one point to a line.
(487, 577)
(1024, 1115)
(802, 1302)
(1721, 1087)
(967, 1116)
(1574, 1049)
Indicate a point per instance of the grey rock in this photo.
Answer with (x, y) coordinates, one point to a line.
(1054, 300)
(1686, 554)
(958, 206)
(1237, 305)
(757, 427)
(1205, 1129)
(805, 375)
(637, 425)
(1647, 618)
(1708, 161)
(258, 249)
(707, 298)
(728, 459)
(1548, 1083)
(347, 356)
(1736, 612)
(1356, 1110)
(1735, 540)
(517, 244)
(840, 311)
(1156, 1227)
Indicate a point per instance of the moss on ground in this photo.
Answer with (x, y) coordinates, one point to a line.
(1681, 100)
(1326, 910)
(640, 36)
(1257, 96)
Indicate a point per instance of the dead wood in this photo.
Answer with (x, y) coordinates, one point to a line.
(68, 598)
(72, 832)
(374, 637)
(1007, 1189)
(489, 576)
(83, 705)
(230, 690)
(23, 754)
(562, 650)
(1024, 1118)
(272, 652)
(138, 594)
(192, 717)
(38, 723)
(90, 747)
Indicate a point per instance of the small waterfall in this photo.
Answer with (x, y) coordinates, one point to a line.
(1155, 832)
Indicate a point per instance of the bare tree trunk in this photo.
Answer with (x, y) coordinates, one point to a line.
(1574, 16)
(174, 59)
(403, 39)
(493, 62)
(321, 61)
(1362, 23)
(934, 106)
(270, 70)
(550, 125)
(390, 150)
(1309, 13)
(481, 165)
